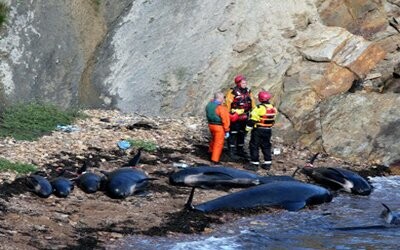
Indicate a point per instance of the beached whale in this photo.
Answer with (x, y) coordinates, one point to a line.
(290, 195)
(39, 185)
(207, 177)
(213, 177)
(88, 182)
(125, 182)
(339, 179)
(62, 186)
(336, 178)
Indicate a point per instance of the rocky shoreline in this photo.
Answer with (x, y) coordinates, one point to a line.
(94, 220)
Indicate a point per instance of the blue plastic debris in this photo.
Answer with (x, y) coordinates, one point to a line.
(67, 128)
(123, 144)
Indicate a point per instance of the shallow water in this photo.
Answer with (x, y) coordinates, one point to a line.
(323, 227)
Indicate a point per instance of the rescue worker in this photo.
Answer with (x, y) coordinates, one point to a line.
(261, 120)
(239, 101)
(218, 123)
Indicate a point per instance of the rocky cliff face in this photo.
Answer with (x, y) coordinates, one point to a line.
(333, 66)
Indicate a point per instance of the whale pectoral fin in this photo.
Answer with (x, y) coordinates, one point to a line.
(188, 204)
(293, 205)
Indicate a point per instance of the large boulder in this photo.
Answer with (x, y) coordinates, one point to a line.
(362, 127)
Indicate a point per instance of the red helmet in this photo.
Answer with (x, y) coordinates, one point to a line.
(239, 78)
(264, 96)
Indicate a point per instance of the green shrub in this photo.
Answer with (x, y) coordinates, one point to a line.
(4, 9)
(30, 121)
(146, 145)
(20, 168)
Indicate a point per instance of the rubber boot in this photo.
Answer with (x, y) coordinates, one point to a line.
(266, 166)
(252, 166)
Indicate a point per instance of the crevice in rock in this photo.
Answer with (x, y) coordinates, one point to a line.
(286, 116)
(356, 86)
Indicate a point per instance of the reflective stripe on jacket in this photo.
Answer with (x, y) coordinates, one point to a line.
(263, 115)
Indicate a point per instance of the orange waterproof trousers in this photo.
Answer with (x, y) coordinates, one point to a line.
(217, 141)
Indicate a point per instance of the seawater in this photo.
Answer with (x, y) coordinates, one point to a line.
(318, 228)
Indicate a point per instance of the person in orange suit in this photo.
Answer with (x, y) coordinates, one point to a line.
(218, 123)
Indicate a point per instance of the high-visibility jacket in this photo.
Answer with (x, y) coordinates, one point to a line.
(262, 116)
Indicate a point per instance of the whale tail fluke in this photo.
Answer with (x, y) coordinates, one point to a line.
(309, 164)
(387, 208)
(135, 160)
(83, 169)
(313, 158)
(386, 214)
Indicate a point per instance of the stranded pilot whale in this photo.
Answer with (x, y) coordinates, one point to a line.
(62, 186)
(337, 178)
(88, 182)
(39, 185)
(212, 178)
(290, 195)
(219, 178)
(126, 180)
